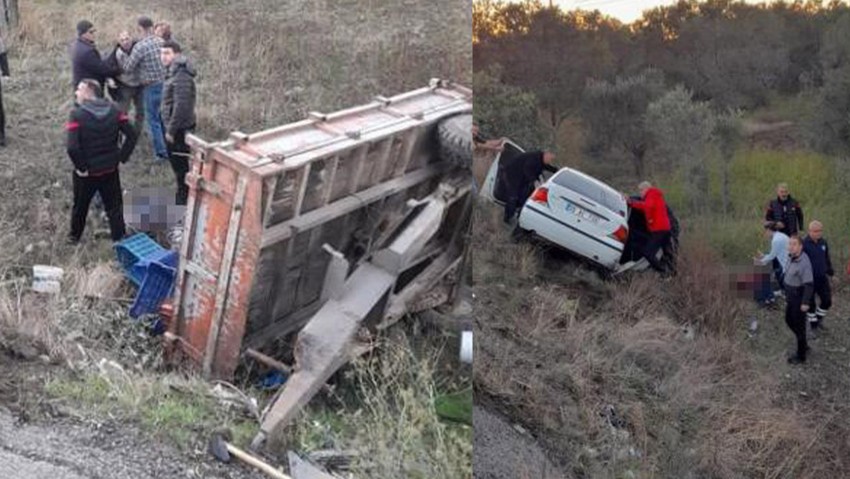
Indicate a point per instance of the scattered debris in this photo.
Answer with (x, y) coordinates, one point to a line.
(466, 347)
(231, 396)
(223, 451)
(47, 279)
(301, 469)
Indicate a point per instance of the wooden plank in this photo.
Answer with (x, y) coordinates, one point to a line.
(348, 204)
(302, 189)
(224, 278)
(268, 360)
(271, 186)
(190, 230)
(359, 165)
(329, 186)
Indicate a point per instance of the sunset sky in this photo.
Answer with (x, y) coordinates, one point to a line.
(624, 10)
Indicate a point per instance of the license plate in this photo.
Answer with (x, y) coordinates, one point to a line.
(571, 208)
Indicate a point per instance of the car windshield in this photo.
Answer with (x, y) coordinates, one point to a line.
(590, 189)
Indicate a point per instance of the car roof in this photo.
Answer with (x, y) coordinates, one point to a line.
(585, 176)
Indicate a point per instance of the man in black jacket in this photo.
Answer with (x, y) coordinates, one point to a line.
(95, 130)
(785, 211)
(178, 113)
(817, 250)
(4, 69)
(86, 62)
(518, 175)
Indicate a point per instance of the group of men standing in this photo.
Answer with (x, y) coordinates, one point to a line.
(153, 76)
(802, 267)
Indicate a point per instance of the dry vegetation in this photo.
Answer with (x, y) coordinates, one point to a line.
(261, 63)
(644, 381)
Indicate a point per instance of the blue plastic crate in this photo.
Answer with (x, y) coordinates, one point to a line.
(164, 257)
(157, 285)
(141, 250)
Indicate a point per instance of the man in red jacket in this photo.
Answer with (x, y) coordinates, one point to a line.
(657, 221)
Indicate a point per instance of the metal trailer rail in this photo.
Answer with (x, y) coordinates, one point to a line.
(279, 222)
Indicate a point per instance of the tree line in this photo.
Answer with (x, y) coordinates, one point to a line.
(673, 83)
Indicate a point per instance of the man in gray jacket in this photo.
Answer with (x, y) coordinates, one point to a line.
(799, 287)
(178, 113)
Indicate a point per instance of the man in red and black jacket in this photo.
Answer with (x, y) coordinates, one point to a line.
(99, 138)
(654, 208)
(785, 211)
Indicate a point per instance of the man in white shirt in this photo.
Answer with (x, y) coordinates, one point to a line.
(778, 254)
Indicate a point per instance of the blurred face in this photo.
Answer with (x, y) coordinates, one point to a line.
(167, 55)
(548, 157)
(89, 35)
(125, 40)
(643, 190)
(816, 231)
(795, 246)
(474, 129)
(782, 192)
(83, 93)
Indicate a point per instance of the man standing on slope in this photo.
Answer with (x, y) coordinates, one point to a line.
(778, 255)
(799, 286)
(785, 211)
(86, 61)
(144, 61)
(95, 147)
(654, 207)
(4, 69)
(517, 177)
(178, 113)
(817, 250)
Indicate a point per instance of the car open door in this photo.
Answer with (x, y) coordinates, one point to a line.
(490, 189)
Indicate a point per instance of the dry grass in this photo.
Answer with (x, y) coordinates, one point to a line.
(391, 423)
(655, 383)
(700, 294)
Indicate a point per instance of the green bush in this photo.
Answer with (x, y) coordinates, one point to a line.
(811, 177)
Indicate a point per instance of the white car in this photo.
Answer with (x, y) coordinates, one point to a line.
(577, 212)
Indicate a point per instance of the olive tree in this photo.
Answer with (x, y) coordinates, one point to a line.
(681, 130)
(615, 114)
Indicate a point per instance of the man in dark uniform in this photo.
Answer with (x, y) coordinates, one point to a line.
(95, 146)
(518, 176)
(785, 212)
(817, 250)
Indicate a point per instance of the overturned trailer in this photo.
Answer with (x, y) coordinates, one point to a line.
(320, 228)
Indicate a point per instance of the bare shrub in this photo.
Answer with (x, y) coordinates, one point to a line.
(635, 298)
(700, 294)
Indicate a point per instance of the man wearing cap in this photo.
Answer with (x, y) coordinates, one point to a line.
(144, 62)
(85, 59)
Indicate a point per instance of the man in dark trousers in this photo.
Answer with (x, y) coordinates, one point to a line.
(654, 207)
(518, 175)
(178, 113)
(86, 62)
(799, 286)
(785, 211)
(4, 69)
(99, 138)
(817, 250)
